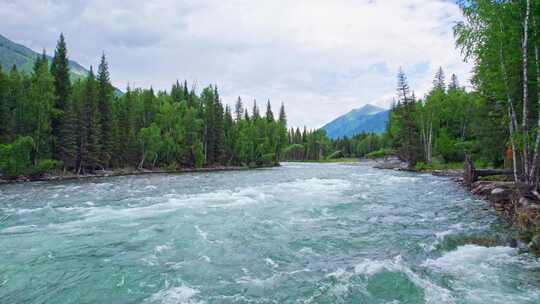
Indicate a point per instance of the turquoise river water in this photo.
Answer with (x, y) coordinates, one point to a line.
(300, 233)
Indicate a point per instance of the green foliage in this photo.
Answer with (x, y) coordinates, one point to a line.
(380, 153)
(16, 158)
(150, 142)
(45, 166)
(50, 122)
(335, 154)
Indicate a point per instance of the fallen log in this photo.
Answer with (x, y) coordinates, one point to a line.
(471, 174)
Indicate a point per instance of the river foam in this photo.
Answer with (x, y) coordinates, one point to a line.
(301, 233)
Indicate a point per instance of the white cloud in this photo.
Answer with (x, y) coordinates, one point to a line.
(322, 58)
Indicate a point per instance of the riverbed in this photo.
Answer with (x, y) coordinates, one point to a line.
(299, 233)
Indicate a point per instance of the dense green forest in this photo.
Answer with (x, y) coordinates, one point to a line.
(51, 122)
(496, 122)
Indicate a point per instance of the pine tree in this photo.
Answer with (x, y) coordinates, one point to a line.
(255, 112)
(186, 91)
(229, 136)
(407, 134)
(105, 93)
(40, 60)
(6, 130)
(454, 83)
(403, 89)
(127, 129)
(282, 133)
(439, 81)
(90, 146)
(17, 102)
(219, 132)
(177, 92)
(69, 133)
(238, 109)
(62, 89)
(269, 113)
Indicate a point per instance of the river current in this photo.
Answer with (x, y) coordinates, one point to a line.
(300, 233)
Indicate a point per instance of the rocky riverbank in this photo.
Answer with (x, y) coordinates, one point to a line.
(520, 207)
(517, 206)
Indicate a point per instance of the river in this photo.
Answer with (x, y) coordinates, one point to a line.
(300, 233)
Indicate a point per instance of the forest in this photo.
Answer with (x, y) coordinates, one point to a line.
(496, 121)
(52, 122)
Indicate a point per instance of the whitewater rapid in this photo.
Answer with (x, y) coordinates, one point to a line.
(300, 233)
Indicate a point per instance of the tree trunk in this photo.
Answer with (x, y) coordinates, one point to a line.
(141, 163)
(512, 123)
(536, 156)
(524, 122)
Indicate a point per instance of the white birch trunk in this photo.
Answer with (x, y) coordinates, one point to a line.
(524, 122)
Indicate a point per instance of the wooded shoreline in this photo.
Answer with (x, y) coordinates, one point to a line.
(126, 172)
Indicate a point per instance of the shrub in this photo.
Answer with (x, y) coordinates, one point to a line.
(337, 154)
(380, 153)
(16, 158)
(44, 166)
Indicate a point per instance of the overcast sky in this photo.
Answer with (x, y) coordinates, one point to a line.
(322, 58)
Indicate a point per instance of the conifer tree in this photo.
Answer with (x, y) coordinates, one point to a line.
(177, 92)
(255, 112)
(5, 109)
(105, 93)
(69, 133)
(439, 81)
(238, 109)
(90, 133)
(62, 89)
(454, 83)
(269, 113)
(218, 130)
(17, 101)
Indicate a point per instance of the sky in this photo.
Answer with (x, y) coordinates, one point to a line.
(321, 58)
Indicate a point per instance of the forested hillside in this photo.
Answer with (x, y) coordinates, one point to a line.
(12, 53)
(50, 122)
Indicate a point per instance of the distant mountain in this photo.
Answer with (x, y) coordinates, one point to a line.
(369, 118)
(12, 53)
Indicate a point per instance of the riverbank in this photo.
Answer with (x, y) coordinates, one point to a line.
(124, 172)
(519, 207)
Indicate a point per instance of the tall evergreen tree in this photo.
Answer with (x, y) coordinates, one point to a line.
(269, 113)
(454, 83)
(90, 133)
(62, 89)
(6, 128)
(238, 109)
(255, 112)
(439, 81)
(105, 95)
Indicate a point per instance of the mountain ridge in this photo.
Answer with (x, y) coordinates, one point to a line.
(367, 119)
(13, 53)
